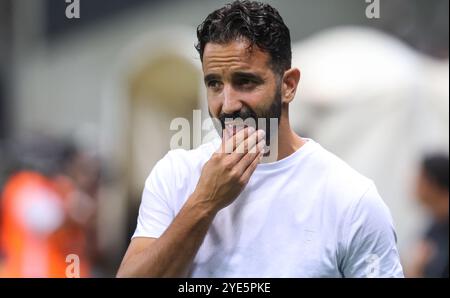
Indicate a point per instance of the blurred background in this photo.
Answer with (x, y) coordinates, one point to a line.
(86, 105)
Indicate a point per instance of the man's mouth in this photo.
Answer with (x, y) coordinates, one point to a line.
(232, 127)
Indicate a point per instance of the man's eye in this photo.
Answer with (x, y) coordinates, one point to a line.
(245, 83)
(213, 84)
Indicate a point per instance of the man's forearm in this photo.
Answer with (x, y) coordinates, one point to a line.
(172, 253)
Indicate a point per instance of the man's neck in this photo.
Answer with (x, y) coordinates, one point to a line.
(288, 142)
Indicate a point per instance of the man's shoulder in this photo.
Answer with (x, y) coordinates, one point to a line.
(195, 156)
(348, 196)
(181, 163)
(343, 182)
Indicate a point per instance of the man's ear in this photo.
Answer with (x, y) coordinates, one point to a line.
(289, 84)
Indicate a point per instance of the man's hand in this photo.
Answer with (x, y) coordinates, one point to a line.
(223, 177)
(229, 169)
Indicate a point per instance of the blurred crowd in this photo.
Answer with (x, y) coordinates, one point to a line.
(48, 208)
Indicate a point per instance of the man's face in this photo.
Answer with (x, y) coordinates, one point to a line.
(427, 192)
(240, 82)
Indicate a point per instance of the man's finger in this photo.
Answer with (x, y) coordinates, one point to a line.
(252, 167)
(230, 144)
(249, 144)
(248, 158)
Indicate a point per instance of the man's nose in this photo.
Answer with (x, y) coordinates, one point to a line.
(231, 102)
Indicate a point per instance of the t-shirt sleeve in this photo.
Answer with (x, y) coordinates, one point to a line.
(156, 212)
(370, 239)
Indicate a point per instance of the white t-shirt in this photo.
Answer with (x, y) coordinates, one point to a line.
(307, 215)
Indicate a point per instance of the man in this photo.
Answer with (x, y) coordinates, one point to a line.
(431, 253)
(216, 211)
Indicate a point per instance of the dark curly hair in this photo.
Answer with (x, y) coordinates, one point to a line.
(435, 167)
(259, 23)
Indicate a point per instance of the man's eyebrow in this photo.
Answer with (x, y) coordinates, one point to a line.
(236, 76)
(211, 77)
(249, 76)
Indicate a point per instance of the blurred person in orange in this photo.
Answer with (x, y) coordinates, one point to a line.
(45, 216)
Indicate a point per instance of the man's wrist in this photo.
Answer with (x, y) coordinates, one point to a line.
(202, 204)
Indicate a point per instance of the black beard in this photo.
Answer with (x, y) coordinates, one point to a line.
(274, 111)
